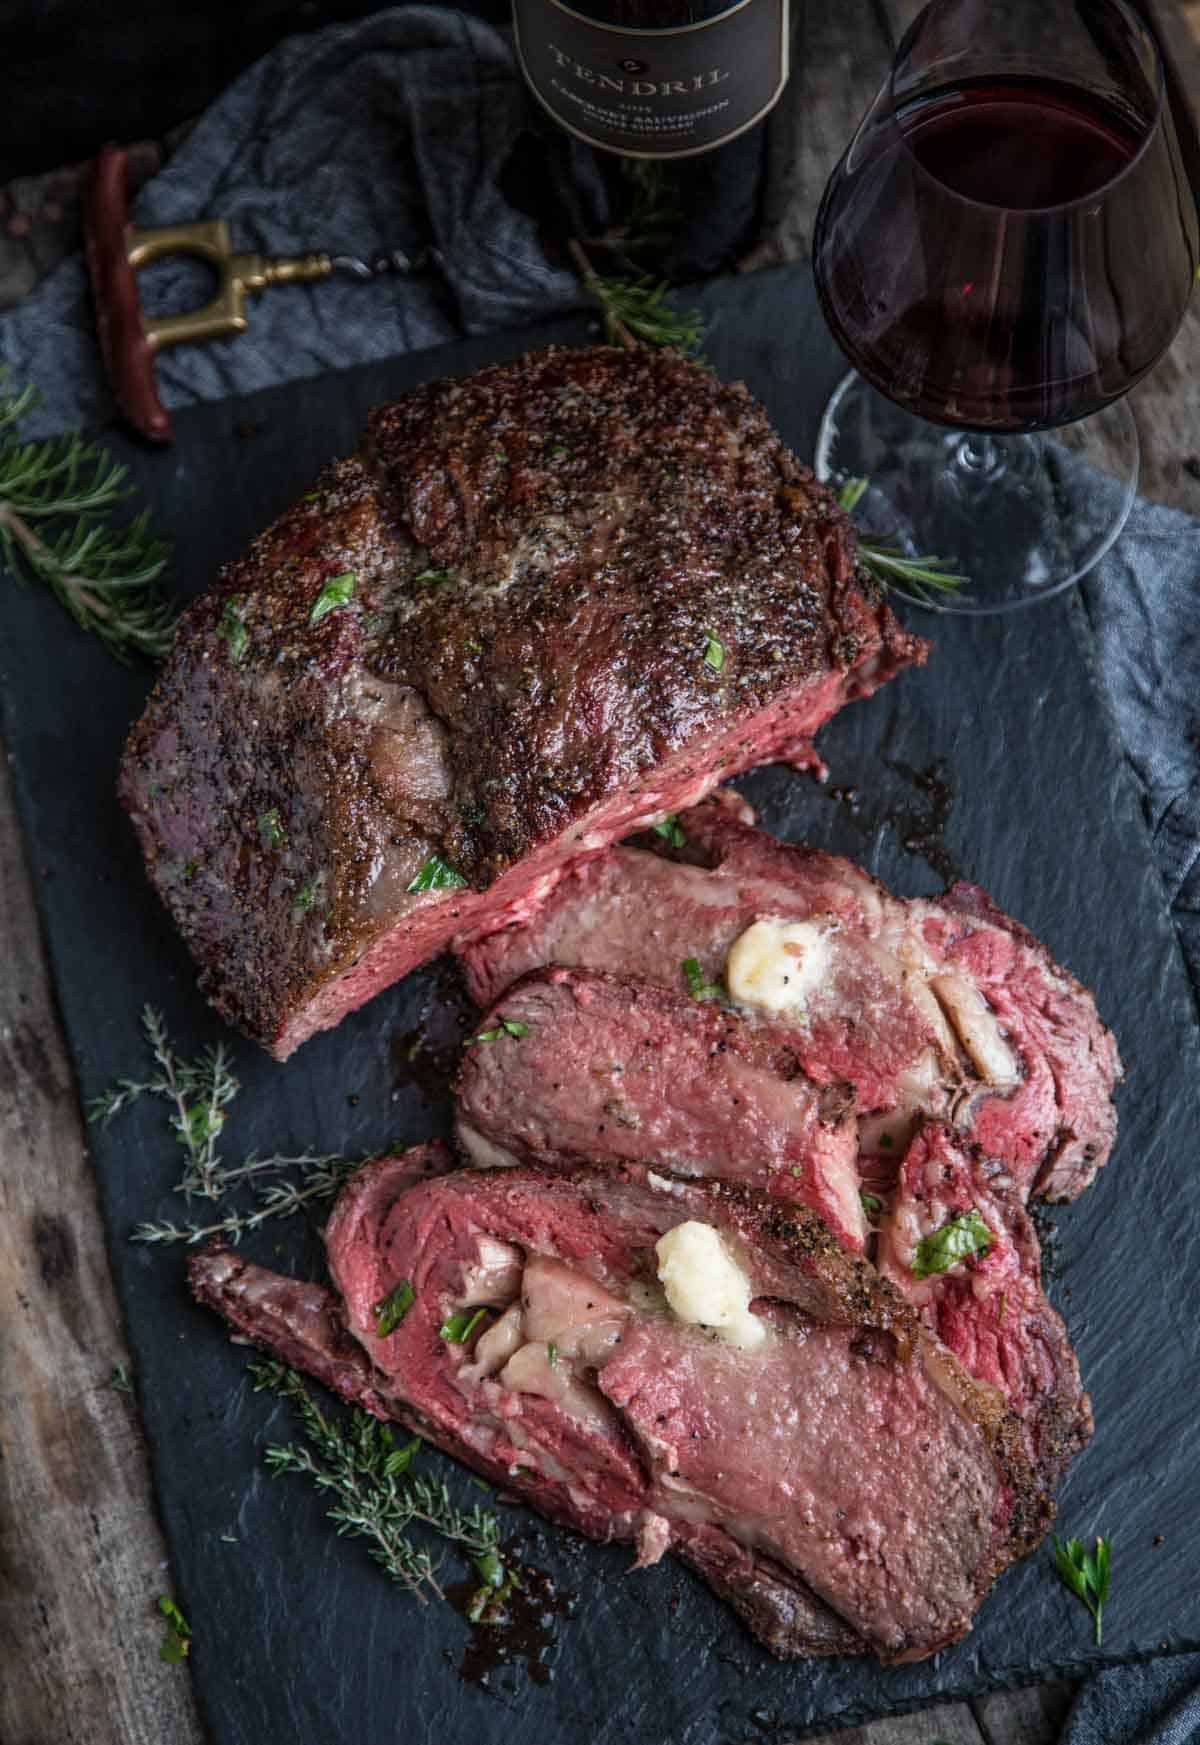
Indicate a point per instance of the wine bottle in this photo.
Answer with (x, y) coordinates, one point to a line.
(654, 78)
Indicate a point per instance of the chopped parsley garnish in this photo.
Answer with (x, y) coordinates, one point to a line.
(1085, 1573)
(559, 451)
(501, 455)
(457, 1329)
(697, 986)
(389, 1311)
(670, 830)
(714, 652)
(871, 1203)
(886, 1141)
(306, 896)
(955, 1241)
(270, 830)
(552, 1353)
(506, 1027)
(178, 1639)
(233, 628)
(436, 875)
(338, 591)
(431, 578)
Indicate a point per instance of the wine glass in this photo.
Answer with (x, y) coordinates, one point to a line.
(1007, 246)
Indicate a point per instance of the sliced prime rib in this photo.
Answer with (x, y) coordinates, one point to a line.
(838, 1475)
(576, 1067)
(540, 607)
(989, 1308)
(931, 1009)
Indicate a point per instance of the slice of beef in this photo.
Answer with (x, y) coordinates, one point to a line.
(939, 1009)
(989, 1309)
(575, 1067)
(846, 1455)
(540, 607)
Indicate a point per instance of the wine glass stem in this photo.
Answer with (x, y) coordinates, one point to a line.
(979, 456)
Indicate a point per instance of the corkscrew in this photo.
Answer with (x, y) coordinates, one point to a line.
(130, 341)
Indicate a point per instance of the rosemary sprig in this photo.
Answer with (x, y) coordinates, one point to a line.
(374, 1496)
(55, 497)
(887, 563)
(639, 309)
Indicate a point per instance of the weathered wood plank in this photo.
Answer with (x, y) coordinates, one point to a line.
(945, 1724)
(80, 1548)
(1032, 1716)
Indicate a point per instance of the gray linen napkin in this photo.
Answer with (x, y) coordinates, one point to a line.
(395, 132)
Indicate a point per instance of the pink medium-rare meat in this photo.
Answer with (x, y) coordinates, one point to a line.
(845, 1456)
(989, 1308)
(541, 606)
(575, 1067)
(939, 1009)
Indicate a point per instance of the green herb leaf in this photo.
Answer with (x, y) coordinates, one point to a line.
(491, 1568)
(697, 986)
(232, 629)
(457, 1329)
(338, 591)
(1086, 1574)
(559, 452)
(886, 1141)
(501, 455)
(55, 529)
(552, 1354)
(506, 1027)
(306, 896)
(671, 830)
(400, 1459)
(389, 1311)
(178, 1638)
(270, 830)
(849, 494)
(955, 1241)
(436, 875)
(120, 1381)
(872, 1205)
(433, 578)
(642, 307)
(714, 652)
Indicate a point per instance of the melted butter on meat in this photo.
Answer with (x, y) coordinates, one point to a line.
(776, 965)
(705, 1285)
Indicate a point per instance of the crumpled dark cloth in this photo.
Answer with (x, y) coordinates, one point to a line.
(394, 132)
(397, 132)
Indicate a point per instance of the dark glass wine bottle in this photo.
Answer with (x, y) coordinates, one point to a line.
(654, 78)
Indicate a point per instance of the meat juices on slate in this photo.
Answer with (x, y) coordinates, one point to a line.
(539, 607)
(634, 1426)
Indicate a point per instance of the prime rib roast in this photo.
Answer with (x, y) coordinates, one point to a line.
(832, 1470)
(727, 1096)
(538, 608)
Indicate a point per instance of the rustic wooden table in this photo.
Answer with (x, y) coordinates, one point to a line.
(80, 1547)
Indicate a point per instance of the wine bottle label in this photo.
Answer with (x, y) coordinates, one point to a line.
(654, 93)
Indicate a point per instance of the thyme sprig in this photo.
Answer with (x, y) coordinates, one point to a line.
(1085, 1574)
(374, 1496)
(888, 564)
(198, 1093)
(55, 499)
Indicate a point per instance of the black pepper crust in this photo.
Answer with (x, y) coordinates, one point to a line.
(543, 553)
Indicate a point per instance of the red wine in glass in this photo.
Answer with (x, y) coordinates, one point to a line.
(1007, 245)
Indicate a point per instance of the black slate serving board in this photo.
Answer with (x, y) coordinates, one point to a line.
(997, 763)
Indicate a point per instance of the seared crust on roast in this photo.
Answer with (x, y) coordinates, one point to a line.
(583, 588)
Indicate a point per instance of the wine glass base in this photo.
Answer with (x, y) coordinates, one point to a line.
(1021, 517)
